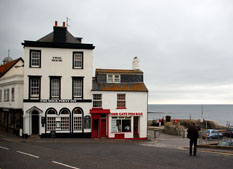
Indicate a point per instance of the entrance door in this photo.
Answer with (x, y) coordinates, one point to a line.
(35, 122)
(95, 131)
(135, 127)
(103, 128)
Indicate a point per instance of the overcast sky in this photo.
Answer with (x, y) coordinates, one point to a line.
(185, 47)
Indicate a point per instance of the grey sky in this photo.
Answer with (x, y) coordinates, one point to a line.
(184, 46)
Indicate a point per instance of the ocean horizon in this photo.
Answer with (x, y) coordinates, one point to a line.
(220, 113)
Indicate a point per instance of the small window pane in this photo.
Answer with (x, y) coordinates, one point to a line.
(35, 58)
(78, 60)
(97, 100)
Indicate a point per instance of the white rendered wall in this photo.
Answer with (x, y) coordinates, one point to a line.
(13, 79)
(135, 102)
(64, 69)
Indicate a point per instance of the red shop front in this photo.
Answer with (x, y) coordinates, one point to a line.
(99, 122)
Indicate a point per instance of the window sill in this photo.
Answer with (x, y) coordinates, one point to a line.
(121, 108)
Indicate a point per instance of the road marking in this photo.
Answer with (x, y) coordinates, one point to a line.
(5, 148)
(27, 154)
(6, 139)
(64, 165)
(226, 153)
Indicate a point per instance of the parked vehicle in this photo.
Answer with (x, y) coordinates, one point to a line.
(211, 134)
(226, 143)
(229, 131)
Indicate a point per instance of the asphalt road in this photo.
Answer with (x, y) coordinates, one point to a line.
(103, 155)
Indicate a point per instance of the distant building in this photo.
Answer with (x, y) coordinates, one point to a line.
(11, 92)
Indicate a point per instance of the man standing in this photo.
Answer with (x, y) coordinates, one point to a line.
(193, 136)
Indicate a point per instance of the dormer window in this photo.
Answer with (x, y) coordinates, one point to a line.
(113, 78)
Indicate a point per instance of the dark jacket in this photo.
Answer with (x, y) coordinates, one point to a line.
(192, 133)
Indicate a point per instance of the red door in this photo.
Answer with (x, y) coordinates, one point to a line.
(103, 128)
(135, 127)
(95, 131)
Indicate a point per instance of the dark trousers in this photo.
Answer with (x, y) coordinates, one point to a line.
(193, 142)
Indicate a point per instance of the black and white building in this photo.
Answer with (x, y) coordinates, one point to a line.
(57, 84)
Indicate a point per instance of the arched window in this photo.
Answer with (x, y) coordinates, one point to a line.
(51, 115)
(65, 119)
(78, 119)
(87, 122)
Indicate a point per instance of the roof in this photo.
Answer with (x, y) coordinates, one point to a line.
(126, 71)
(6, 67)
(132, 87)
(59, 38)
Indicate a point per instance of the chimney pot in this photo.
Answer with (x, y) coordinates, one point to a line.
(56, 23)
(64, 24)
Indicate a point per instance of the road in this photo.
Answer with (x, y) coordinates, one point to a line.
(103, 154)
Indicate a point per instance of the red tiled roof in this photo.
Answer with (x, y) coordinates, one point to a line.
(117, 71)
(6, 67)
(137, 87)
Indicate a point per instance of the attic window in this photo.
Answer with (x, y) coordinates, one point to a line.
(113, 78)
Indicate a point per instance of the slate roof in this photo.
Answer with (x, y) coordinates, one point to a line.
(132, 87)
(6, 67)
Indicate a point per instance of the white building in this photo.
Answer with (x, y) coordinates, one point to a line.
(57, 84)
(60, 96)
(11, 92)
(120, 100)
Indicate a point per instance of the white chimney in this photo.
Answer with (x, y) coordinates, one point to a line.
(135, 63)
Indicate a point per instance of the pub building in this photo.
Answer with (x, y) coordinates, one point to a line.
(62, 97)
(120, 100)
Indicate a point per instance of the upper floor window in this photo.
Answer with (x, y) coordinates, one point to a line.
(77, 87)
(6, 95)
(1, 95)
(12, 94)
(78, 60)
(35, 58)
(97, 100)
(121, 102)
(34, 87)
(55, 87)
(111, 78)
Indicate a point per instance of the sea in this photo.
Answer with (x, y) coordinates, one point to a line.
(222, 114)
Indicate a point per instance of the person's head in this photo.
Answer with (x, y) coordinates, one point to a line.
(193, 124)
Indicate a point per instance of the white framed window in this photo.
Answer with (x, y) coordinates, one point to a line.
(35, 58)
(51, 123)
(12, 94)
(6, 95)
(65, 123)
(77, 87)
(77, 60)
(77, 123)
(113, 78)
(0, 95)
(121, 124)
(34, 87)
(97, 100)
(121, 101)
(55, 87)
(77, 119)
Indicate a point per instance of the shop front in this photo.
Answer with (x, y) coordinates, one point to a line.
(125, 125)
(99, 121)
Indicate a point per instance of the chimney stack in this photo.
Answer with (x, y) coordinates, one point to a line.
(135, 63)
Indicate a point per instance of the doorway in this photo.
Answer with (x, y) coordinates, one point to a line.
(35, 122)
(103, 128)
(135, 126)
(95, 131)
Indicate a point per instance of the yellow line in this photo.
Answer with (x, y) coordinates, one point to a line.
(209, 151)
